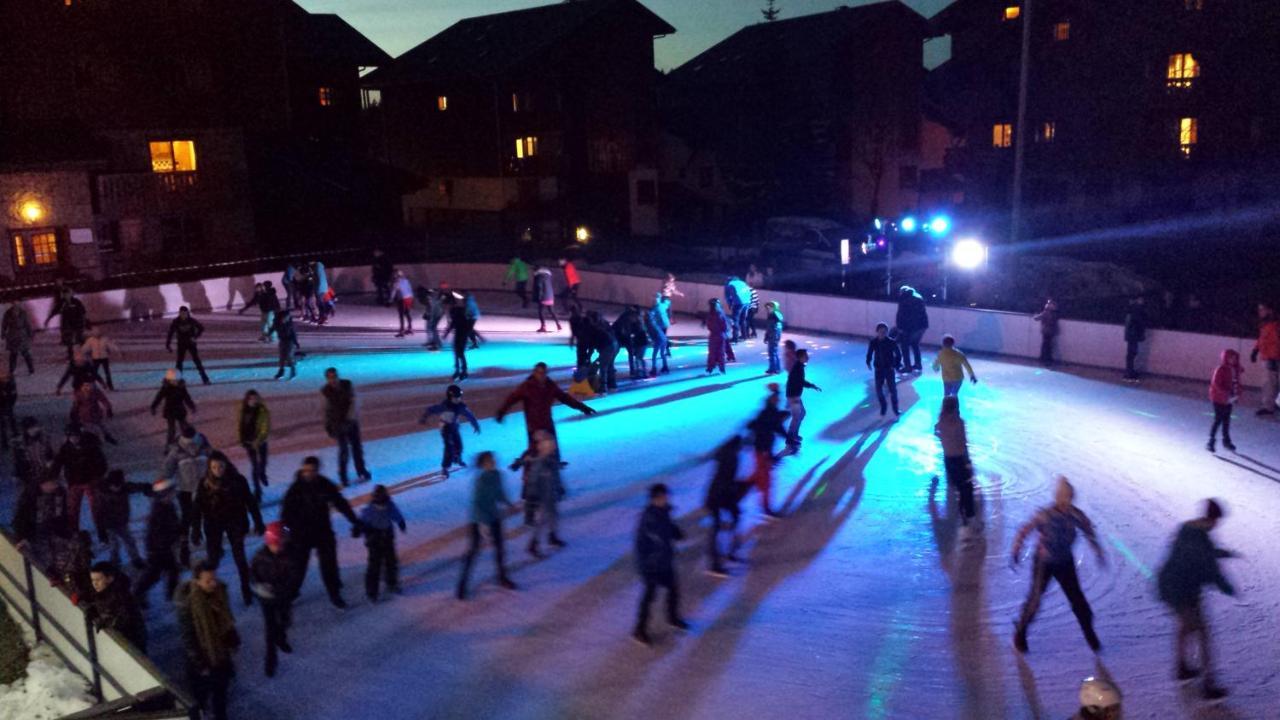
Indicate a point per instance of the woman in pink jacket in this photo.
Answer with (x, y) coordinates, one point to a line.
(1224, 388)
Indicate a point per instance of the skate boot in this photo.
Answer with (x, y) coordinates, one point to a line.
(641, 636)
(555, 541)
(1210, 446)
(1230, 446)
(1185, 672)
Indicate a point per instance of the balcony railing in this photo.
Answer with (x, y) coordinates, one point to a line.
(144, 192)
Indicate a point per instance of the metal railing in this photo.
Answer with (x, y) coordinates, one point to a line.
(119, 677)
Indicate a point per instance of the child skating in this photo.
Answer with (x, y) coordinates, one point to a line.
(1224, 390)
(451, 412)
(378, 522)
(655, 551)
(953, 365)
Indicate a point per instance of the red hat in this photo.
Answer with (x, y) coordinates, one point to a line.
(276, 534)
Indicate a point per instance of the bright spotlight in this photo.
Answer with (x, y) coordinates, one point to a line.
(844, 251)
(582, 235)
(968, 254)
(879, 225)
(908, 224)
(939, 225)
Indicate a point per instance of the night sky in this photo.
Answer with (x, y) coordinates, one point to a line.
(398, 25)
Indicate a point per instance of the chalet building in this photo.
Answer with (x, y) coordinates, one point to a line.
(528, 124)
(815, 115)
(1136, 110)
(148, 134)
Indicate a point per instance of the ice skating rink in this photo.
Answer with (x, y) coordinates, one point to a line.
(862, 603)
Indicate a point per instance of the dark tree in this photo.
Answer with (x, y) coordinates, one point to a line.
(771, 11)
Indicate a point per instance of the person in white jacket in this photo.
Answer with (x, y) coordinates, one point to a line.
(101, 349)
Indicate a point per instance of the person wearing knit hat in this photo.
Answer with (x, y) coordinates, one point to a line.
(1056, 526)
(274, 578)
(1192, 563)
(175, 399)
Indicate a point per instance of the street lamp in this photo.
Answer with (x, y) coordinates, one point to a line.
(582, 234)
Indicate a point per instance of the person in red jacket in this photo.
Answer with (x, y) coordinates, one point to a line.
(1224, 389)
(537, 394)
(571, 283)
(1268, 347)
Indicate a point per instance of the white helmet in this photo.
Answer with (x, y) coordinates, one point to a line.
(1096, 694)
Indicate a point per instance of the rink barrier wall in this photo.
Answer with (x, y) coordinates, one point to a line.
(1171, 353)
(117, 674)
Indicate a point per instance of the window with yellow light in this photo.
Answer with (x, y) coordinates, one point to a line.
(19, 251)
(526, 147)
(442, 102)
(1062, 31)
(44, 248)
(1012, 12)
(1002, 135)
(1188, 135)
(173, 156)
(1184, 68)
(326, 96)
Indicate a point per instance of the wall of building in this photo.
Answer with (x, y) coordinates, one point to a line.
(66, 202)
(1169, 353)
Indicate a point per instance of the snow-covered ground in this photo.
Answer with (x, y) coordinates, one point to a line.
(862, 603)
(49, 690)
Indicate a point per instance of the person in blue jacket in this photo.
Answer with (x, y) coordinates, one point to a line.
(737, 296)
(655, 553)
(451, 413)
(378, 522)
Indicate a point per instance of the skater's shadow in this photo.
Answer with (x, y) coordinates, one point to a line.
(1258, 462)
(1247, 468)
(866, 409)
(663, 400)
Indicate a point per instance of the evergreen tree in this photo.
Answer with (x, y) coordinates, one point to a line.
(771, 11)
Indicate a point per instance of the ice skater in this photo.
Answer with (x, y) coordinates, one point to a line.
(113, 513)
(912, 321)
(773, 336)
(655, 549)
(796, 385)
(273, 582)
(74, 322)
(536, 395)
(342, 423)
(1191, 564)
(1224, 390)
(955, 455)
(487, 494)
(402, 298)
(1048, 319)
(655, 324)
(717, 336)
(378, 522)
(1268, 348)
(223, 506)
(571, 282)
(953, 365)
(518, 276)
(767, 425)
(164, 530)
(544, 293)
(100, 349)
(724, 495)
(210, 638)
(884, 358)
(287, 345)
(177, 402)
(253, 429)
(543, 491)
(460, 327)
(17, 333)
(451, 412)
(187, 330)
(306, 511)
(1056, 526)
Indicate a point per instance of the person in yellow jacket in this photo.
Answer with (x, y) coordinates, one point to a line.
(253, 427)
(953, 365)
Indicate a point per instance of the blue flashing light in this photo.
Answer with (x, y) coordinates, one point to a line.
(940, 225)
(908, 224)
(879, 225)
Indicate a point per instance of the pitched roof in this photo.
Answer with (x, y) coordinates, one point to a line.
(490, 45)
(329, 36)
(803, 41)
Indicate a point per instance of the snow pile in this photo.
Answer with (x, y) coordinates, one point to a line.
(48, 691)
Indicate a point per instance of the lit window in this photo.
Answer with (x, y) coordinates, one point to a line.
(44, 248)
(1062, 31)
(515, 102)
(1183, 70)
(442, 103)
(326, 96)
(1188, 135)
(370, 98)
(19, 252)
(526, 147)
(1048, 130)
(1002, 135)
(173, 156)
(1012, 12)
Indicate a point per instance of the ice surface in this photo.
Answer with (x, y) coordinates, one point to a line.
(862, 603)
